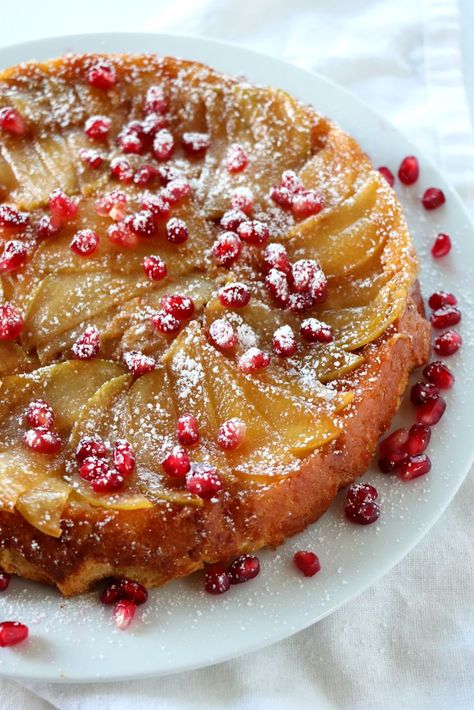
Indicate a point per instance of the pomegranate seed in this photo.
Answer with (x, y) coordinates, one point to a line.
(124, 457)
(90, 446)
(11, 219)
(282, 196)
(448, 343)
(154, 268)
(361, 493)
(187, 430)
(307, 562)
(242, 199)
(392, 462)
(431, 412)
(216, 582)
(393, 443)
(303, 272)
(363, 514)
(409, 170)
(151, 124)
(63, 208)
(226, 249)
(203, 480)
(11, 321)
(177, 231)
(122, 236)
(291, 181)
(181, 307)
(112, 204)
(138, 363)
(243, 569)
(423, 392)
(39, 414)
(253, 232)
(177, 464)
(121, 170)
(300, 302)
(237, 159)
(253, 360)
(131, 143)
(14, 256)
(42, 440)
(388, 175)
(432, 198)
(165, 323)
(277, 285)
(109, 482)
(441, 246)
(234, 295)
(156, 101)
(45, 229)
(163, 145)
(284, 341)
(418, 439)
(12, 122)
(133, 590)
(440, 299)
(92, 158)
(93, 467)
(145, 174)
(4, 580)
(222, 334)
(12, 632)
(306, 204)
(102, 75)
(231, 434)
(196, 144)
(439, 374)
(276, 257)
(112, 593)
(176, 191)
(315, 331)
(98, 127)
(84, 242)
(124, 612)
(157, 205)
(232, 219)
(445, 316)
(141, 223)
(415, 466)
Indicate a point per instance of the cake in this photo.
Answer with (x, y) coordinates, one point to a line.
(209, 310)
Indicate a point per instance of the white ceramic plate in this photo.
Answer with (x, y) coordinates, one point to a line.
(181, 627)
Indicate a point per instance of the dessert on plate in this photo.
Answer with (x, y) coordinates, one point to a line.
(209, 310)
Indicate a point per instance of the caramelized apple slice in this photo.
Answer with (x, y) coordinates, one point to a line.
(56, 156)
(43, 505)
(22, 469)
(14, 359)
(35, 182)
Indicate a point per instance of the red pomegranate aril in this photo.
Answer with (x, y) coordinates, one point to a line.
(306, 204)
(113, 204)
(177, 231)
(121, 170)
(284, 341)
(133, 590)
(418, 439)
(242, 199)
(4, 580)
(315, 331)
(87, 345)
(138, 363)
(243, 569)
(92, 158)
(307, 562)
(448, 343)
(237, 159)
(226, 249)
(392, 462)
(363, 514)
(42, 440)
(387, 174)
(92, 467)
(442, 246)
(163, 144)
(432, 198)
(216, 582)
(307, 277)
(63, 208)
(253, 232)
(124, 457)
(234, 295)
(11, 321)
(275, 257)
(145, 174)
(181, 307)
(177, 464)
(46, 229)
(232, 219)
(253, 360)
(122, 236)
(409, 170)
(131, 143)
(12, 219)
(440, 299)
(154, 267)
(98, 127)
(439, 374)
(423, 392)
(39, 414)
(231, 434)
(102, 75)
(141, 223)
(187, 430)
(151, 124)
(12, 122)
(176, 191)
(300, 302)
(109, 482)
(12, 633)
(165, 323)
(203, 480)
(431, 412)
(278, 287)
(361, 493)
(394, 442)
(90, 446)
(282, 196)
(222, 334)
(195, 144)
(414, 467)
(124, 613)
(291, 181)
(84, 242)
(445, 316)
(157, 205)
(14, 256)
(156, 101)
(112, 593)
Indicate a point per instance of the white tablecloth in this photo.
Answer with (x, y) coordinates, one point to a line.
(408, 641)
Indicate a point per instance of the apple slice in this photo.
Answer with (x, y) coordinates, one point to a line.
(56, 156)
(35, 182)
(43, 505)
(22, 469)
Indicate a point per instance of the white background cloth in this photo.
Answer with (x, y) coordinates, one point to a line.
(408, 641)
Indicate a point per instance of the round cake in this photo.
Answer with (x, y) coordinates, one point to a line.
(208, 315)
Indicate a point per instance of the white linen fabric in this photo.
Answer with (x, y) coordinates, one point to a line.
(409, 640)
